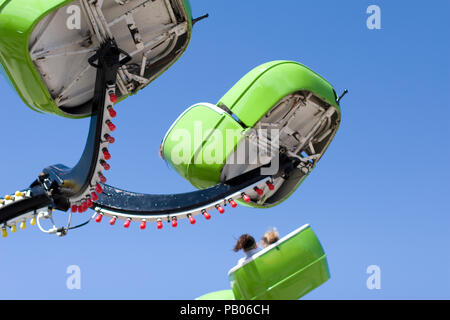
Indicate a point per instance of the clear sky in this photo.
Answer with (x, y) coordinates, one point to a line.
(380, 195)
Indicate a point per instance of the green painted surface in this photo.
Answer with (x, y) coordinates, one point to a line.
(250, 99)
(263, 87)
(218, 295)
(188, 8)
(287, 271)
(18, 18)
(2, 2)
(199, 132)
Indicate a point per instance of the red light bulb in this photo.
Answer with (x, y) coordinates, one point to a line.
(232, 203)
(106, 154)
(74, 208)
(270, 185)
(89, 202)
(98, 190)
(159, 224)
(259, 191)
(143, 225)
(102, 178)
(206, 215)
(110, 125)
(98, 218)
(113, 97)
(105, 165)
(84, 206)
(112, 112)
(94, 196)
(127, 223)
(174, 222)
(112, 221)
(220, 209)
(80, 209)
(191, 219)
(109, 138)
(245, 197)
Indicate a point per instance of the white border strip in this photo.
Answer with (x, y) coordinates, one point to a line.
(180, 215)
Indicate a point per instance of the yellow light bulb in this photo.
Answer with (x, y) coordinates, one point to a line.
(4, 233)
(23, 225)
(33, 221)
(8, 197)
(14, 228)
(18, 194)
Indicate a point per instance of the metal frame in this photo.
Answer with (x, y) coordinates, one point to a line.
(59, 187)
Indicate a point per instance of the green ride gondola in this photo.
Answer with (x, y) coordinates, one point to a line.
(280, 105)
(286, 270)
(46, 58)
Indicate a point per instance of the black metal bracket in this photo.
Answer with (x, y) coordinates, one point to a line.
(194, 21)
(341, 96)
(73, 182)
(58, 183)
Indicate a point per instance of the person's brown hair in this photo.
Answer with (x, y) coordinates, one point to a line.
(270, 237)
(245, 242)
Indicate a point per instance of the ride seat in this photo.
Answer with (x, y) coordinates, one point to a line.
(278, 105)
(286, 270)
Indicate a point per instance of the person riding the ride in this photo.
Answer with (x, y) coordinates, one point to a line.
(248, 244)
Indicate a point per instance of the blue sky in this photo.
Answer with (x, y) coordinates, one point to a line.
(379, 196)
